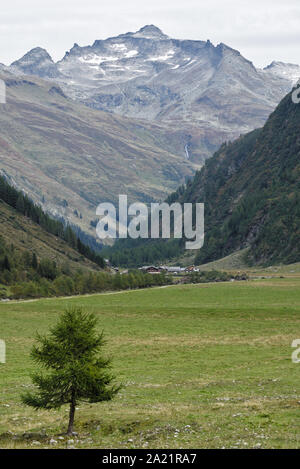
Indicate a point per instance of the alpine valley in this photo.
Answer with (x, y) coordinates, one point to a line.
(251, 192)
(141, 345)
(135, 114)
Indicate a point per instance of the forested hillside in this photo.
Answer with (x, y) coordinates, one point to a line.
(38, 255)
(24, 205)
(251, 191)
(41, 257)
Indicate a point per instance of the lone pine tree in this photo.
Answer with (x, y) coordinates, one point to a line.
(77, 370)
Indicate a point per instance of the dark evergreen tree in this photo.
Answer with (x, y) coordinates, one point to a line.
(6, 263)
(78, 370)
(34, 261)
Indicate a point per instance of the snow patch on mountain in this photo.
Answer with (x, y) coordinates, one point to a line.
(94, 59)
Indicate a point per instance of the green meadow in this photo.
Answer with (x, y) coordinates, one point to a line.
(203, 366)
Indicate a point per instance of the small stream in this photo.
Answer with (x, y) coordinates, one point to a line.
(186, 149)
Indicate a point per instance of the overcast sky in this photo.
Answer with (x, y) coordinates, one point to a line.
(262, 30)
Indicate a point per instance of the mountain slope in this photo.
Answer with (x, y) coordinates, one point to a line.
(251, 191)
(185, 84)
(69, 158)
(40, 257)
(24, 206)
(37, 62)
(285, 70)
(27, 236)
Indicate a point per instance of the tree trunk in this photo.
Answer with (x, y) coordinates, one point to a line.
(71, 414)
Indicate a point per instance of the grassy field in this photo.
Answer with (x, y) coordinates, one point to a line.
(204, 366)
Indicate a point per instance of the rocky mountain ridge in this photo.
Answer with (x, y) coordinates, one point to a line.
(188, 84)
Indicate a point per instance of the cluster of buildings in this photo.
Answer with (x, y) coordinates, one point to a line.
(152, 269)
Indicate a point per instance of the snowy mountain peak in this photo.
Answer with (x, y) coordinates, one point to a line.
(149, 31)
(34, 55)
(36, 62)
(287, 71)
